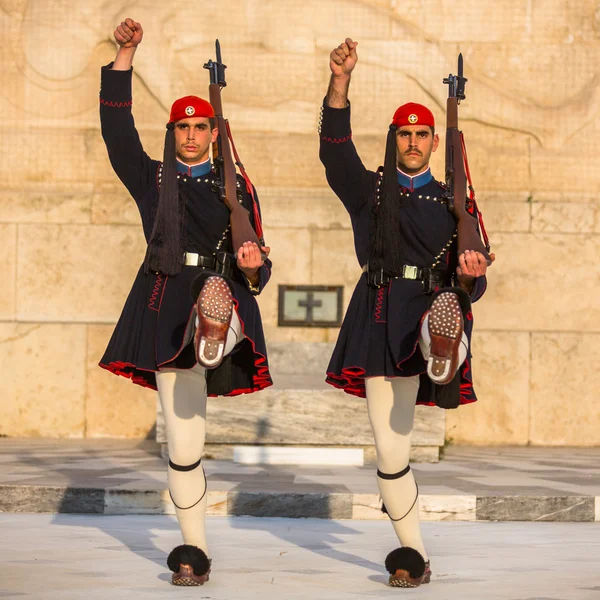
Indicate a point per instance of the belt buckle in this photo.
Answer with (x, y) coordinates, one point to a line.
(191, 259)
(410, 272)
(377, 278)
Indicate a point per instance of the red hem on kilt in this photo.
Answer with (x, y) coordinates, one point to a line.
(261, 381)
(467, 395)
(352, 382)
(122, 368)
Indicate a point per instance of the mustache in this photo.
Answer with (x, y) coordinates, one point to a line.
(413, 151)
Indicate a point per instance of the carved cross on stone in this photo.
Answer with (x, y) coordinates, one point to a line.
(310, 303)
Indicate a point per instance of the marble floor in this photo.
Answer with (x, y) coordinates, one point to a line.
(68, 557)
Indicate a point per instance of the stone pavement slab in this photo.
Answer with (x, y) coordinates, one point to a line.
(129, 477)
(69, 557)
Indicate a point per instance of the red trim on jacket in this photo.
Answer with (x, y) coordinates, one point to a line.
(116, 104)
(336, 140)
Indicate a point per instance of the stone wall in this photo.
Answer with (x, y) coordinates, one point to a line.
(70, 236)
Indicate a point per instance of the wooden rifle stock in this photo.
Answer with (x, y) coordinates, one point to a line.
(239, 218)
(456, 179)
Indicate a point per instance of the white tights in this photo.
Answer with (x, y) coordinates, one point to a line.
(183, 396)
(391, 407)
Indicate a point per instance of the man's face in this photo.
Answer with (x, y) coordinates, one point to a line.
(415, 143)
(193, 138)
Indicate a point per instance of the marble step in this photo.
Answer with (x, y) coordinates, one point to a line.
(128, 477)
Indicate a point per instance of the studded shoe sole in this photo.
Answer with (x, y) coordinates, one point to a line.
(186, 577)
(402, 578)
(445, 330)
(214, 308)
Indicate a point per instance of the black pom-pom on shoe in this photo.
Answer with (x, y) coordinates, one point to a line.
(189, 564)
(406, 567)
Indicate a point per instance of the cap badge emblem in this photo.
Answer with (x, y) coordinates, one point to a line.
(190, 110)
(413, 118)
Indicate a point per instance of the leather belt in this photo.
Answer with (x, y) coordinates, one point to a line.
(222, 263)
(429, 277)
(191, 259)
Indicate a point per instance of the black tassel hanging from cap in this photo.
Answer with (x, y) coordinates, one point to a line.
(386, 241)
(165, 247)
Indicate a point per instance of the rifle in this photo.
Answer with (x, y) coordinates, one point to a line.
(239, 219)
(456, 177)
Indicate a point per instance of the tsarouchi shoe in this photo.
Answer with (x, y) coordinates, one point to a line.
(214, 307)
(190, 565)
(407, 568)
(446, 327)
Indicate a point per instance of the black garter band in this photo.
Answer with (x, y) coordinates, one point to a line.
(398, 476)
(185, 469)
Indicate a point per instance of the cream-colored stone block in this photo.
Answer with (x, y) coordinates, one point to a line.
(494, 153)
(43, 375)
(447, 508)
(99, 168)
(133, 502)
(53, 71)
(527, 73)
(295, 334)
(282, 160)
(290, 253)
(114, 406)
(367, 506)
(334, 259)
(387, 81)
(216, 503)
(58, 153)
(76, 273)
(536, 285)
(566, 195)
(302, 208)
(307, 415)
(336, 20)
(431, 508)
(501, 382)
(113, 205)
(519, 103)
(253, 87)
(554, 217)
(335, 247)
(504, 217)
(565, 21)
(471, 21)
(8, 251)
(564, 385)
(168, 507)
(582, 166)
(25, 206)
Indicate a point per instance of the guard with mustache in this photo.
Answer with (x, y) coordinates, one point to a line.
(406, 335)
(191, 326)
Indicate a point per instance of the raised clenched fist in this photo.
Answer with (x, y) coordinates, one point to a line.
(342, 59)
(129, 34)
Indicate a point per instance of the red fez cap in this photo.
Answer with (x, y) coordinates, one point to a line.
(413, 114)
(190, 106)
